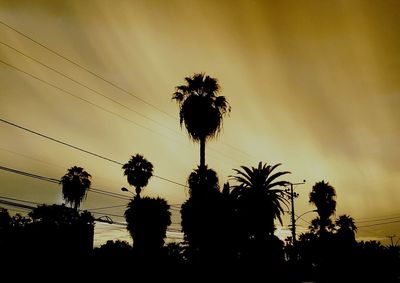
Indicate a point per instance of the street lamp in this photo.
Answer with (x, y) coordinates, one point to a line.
(126, 190)
(299, 216)
(293, 195)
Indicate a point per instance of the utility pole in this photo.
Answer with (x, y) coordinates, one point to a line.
(293, 219)
(292, 196)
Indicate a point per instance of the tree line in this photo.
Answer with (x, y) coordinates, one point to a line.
(228, 229)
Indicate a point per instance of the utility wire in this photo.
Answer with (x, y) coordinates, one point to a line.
(379, 219)
(80, 149)
(99, 77)
(54, 181)
(84, 100)
(87, 70)
(87, 87)
(378, 224)
(112, 222)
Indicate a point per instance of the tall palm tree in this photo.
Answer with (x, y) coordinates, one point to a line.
(138, 171)
(75, 184)
(203, 212)
(204, 181)
(259, 194)
(201, 109)
(323, 197)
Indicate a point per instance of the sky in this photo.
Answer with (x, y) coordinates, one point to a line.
(314, 85)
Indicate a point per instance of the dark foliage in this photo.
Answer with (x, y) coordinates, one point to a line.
(75, 185)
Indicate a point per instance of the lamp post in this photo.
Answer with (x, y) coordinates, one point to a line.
(126, 190)
(299, 216)
(293, 195)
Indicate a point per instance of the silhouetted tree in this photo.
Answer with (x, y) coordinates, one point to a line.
(201, 109)
(323, 197)
(113, 254)
(75, 184)
(148, 219)
(346, 228)
(376, 263)
(5, 219)
(61, 232)
(205, 219)
(315, 226)
(138, 171)
(5, 227)
(260, 197)
(203, 182)
(258, 200)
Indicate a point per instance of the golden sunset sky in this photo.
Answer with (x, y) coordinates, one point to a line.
(314, 85)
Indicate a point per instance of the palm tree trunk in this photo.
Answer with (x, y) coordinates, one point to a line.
(202, 153)
(138, 191)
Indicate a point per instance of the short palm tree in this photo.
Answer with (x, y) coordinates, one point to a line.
(315, 225)
(75, 184)
(148, 219)
(201, 109)
(258, 192)
(138, 172)
(346, 223)
(346, 228)
(323, 197)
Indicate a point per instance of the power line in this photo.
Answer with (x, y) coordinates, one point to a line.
(80, 149)
(109, 221)
(52, 180)
(19, 205)
(55, 181)
(20, 200)
(84, 100)
(87, 70)
(380, 219)
(105, 109)
(99, 77)
(29, 174)
(107, 207)
(87, 87)
(100, 107)
(382, 216)
(377, 224)
(10, 207)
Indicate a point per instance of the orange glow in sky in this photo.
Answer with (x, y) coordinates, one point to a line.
(313, 85)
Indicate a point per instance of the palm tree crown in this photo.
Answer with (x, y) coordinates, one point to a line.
(258, 187)
(323, 197)
(138, 171)
(75, 184)
(346, 223)
(203, 180)
(148, 219)
(201, 109)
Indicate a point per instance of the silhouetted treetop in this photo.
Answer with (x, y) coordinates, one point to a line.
(138, 171)
(203, 180)
(323, 197)
(148, 219)
(75, 184)
(258, 193)
(201, 109)
(60, 215)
